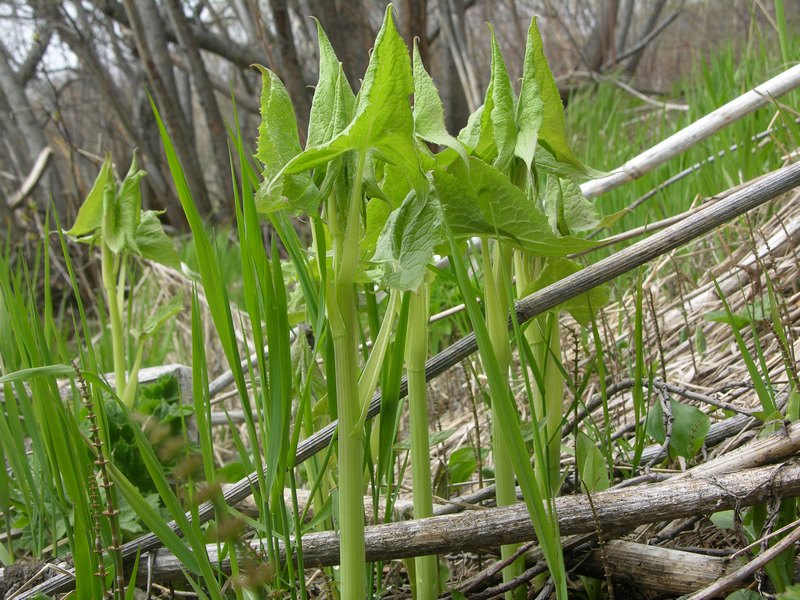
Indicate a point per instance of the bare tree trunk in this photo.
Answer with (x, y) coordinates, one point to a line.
(291, 69)
(348, 27)
(600, 45)
(415, 25)
(34, 138)
(205, 95)
(650, 25)
(151, 43)
(74, 35)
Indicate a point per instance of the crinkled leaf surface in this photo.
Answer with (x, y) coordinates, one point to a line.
(278, 143)
(323, 104)
(503, 118)
(406, 243)
(530, 108)
(429, 122)
(383, 119)
(568, 211)
(583, 307)
(480, 200)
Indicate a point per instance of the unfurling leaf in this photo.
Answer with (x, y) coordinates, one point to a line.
(428, 110)
(481, 201)
(568, 211)
(153, 244)
(406, 243)
(90, 215)
(278, 143)
(552, 132)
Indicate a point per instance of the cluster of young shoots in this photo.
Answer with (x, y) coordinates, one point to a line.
(387, 188)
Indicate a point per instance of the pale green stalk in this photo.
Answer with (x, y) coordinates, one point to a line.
(496, 297)
(416, 354)
(544, 338)
(110, 268)
(344, 330)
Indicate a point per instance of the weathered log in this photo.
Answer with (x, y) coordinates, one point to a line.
(476, 530)
(654, 568)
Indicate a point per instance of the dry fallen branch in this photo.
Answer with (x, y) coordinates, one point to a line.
(697, 131)
(657, 569)
(616, 509)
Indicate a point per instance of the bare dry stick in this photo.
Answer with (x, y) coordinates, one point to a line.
(694, 133)
(489, 528)
(15, 199)
(601, 272)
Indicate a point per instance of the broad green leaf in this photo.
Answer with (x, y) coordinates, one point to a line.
(583, 307)
(383, 120)
(480, 200)
(470, 135)
(568, 211)
(504, 126)
(406, 243)
(90, 214)
(591, 464)
(153, 244)
(547, 163)
(689, 428)
(429, 122)
(278, 143)
(122, 211)
(552, 133)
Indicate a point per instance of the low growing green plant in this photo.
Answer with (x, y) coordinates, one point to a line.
(112, 217)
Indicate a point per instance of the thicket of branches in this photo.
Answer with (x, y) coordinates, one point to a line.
(74, 76)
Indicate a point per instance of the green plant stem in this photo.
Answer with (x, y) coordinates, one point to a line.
(496, 296)
(344, 329)
(110, 268)
(415, 355)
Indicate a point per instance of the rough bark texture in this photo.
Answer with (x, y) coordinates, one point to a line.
(151, 43)
(205, 95)
(654, 568)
